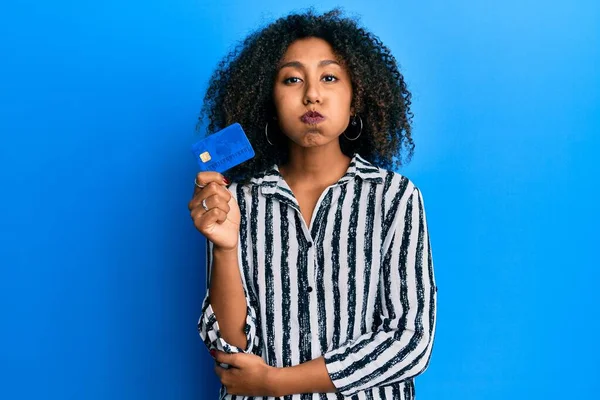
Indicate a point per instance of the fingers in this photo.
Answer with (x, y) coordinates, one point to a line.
(226, 376)
(210, 203)
(219, 371)
(217, 206)
(204, 178)
(202, 204)
(220, 357)
(209, 190)
(203, 219)
(232, 359)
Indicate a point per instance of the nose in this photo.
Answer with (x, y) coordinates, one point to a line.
(312, 94)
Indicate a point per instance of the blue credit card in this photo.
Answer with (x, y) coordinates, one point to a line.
(223, 150)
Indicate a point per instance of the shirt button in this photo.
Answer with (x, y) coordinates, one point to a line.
(310, 244)
(310, 289)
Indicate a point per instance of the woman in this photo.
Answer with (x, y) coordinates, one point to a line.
(321, 280)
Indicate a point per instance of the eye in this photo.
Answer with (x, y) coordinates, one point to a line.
(293, 79)
(330, 78)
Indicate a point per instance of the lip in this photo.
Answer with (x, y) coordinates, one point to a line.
(312, 117)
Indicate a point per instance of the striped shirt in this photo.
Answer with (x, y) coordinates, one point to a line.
(356, 286)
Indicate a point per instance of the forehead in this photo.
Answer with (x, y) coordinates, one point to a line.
(311, 48)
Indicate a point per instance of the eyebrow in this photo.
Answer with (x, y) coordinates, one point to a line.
(298, 64)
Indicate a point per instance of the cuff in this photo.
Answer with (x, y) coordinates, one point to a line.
(208, 328)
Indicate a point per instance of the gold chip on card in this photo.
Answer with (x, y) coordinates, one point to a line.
(205, 157)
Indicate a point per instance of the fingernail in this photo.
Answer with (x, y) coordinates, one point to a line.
(213, 353)
(226, 181)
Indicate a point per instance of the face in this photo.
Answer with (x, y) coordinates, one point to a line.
(310, 79)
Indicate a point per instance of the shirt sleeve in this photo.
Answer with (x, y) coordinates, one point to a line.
(401, 346)
(208, 326)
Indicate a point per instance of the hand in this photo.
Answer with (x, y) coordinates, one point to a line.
(248, 374)
(221, 223)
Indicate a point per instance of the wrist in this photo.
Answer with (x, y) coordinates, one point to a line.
(225, 251)
(274, 382)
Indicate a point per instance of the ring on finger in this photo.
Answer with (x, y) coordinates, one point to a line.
(198, 185)
(204, 205)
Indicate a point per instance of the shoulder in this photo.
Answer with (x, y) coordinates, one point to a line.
(393, 182)
(398, 191)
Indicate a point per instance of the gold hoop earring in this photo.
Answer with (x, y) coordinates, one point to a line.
(353, 123)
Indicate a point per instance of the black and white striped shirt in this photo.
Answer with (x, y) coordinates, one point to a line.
(356, 286)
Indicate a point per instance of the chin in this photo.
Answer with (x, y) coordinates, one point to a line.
(312, 136)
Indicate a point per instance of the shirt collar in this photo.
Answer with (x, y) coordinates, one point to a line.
(272, 181)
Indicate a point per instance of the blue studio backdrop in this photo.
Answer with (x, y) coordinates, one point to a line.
(102, 271)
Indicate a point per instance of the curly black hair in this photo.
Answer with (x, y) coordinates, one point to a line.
(240, 90)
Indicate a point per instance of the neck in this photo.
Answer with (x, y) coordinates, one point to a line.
(315, 166)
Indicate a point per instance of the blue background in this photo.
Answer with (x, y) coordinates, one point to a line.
(102, 270)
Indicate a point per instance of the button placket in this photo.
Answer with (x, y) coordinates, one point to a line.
(310, 265)
(315, 223)
(310, 246)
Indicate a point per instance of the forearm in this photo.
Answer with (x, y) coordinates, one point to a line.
(227, 296)
(309, 377)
